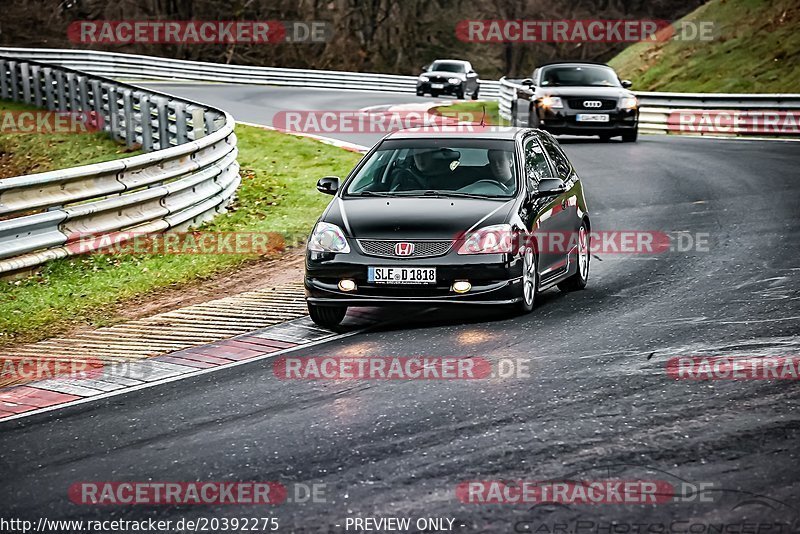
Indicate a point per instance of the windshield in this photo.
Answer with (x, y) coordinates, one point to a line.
(480, 168)
(579, 76)
(448, 66)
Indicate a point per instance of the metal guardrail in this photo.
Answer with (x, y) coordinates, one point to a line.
(655, 108)
(136, 67)
(187, 175)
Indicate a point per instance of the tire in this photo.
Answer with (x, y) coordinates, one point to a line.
(475, 95)
(530, 282)
(578, 281)
(605, 138)
(434, 94)
(327, 316)
(630, 137)
(460, 94)
(420, 93)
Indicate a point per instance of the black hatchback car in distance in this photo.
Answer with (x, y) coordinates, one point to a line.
(578, 98)
(438, 216)
(449, 77)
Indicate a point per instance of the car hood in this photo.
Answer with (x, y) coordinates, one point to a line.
(415, 218)
(445, 74)
(607, 92)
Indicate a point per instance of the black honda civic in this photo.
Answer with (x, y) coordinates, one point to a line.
(442, 215)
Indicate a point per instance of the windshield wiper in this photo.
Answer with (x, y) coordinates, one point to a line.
(373, 194)
(441, 194)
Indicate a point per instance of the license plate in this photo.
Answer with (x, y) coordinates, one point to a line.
(592, 117)
(401, 275)
(437, 86)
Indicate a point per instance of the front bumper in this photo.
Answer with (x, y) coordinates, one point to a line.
(446, 89)
(495, 279)
(564, 121)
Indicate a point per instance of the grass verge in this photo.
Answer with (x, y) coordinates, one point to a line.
(755, 49)
(473, 112)
(277, 194)
(29, 153)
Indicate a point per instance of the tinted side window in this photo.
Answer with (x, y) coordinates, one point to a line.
(557, 156)
(536, 166)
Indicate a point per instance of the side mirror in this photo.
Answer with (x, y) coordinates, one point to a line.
(425, 67)
(528, 82)
(328, 185)
(626, 83)
(472, 72)
(551, 186)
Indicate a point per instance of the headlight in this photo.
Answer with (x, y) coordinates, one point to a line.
(495, 239)
(552, 102)
(628, 102)
(423, 78)
(328, 237)
(454, 81)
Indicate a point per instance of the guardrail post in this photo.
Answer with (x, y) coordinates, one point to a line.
(127, 110)
(4, 79)
(49, 97)
(163, 123)
(74, 103)
(83, 93)
(181, 134)
(97, 103)
(198, 123)
(36, 77)
(62, 100)
(25, 74)
(14, 89)
(147, 123)
(113, 111)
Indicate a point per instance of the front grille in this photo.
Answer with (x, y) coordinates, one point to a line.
(438, 79)
(605, 103)
(422, 249)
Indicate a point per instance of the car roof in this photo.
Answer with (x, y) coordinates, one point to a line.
(451, 60)
(458, 132)
(573, 62)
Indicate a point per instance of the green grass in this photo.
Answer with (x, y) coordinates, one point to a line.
(278, 194)
(756, 48)
(473, 112)
(28, 153)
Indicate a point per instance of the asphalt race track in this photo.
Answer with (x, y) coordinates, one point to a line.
(597, 402)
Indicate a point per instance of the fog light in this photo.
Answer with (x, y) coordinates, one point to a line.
(347, 285)
(462, 286)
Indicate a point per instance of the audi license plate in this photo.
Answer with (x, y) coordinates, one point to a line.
(401, 275)
(592, 117)
(437, 86)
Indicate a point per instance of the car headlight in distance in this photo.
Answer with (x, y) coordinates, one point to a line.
(552, 102)
(423, 78)
(496, 239)
(328, 237)
(628, 102)
(454, 81)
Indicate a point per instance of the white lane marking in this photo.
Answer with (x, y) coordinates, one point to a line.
(170, 379)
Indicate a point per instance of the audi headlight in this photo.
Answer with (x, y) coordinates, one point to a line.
(552, 102)
(496, 239)
(628, 102)
(454, 81)
(328, 237)
(423, 78)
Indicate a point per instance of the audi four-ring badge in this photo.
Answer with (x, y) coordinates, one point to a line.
(442, 216)
(578, 98)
